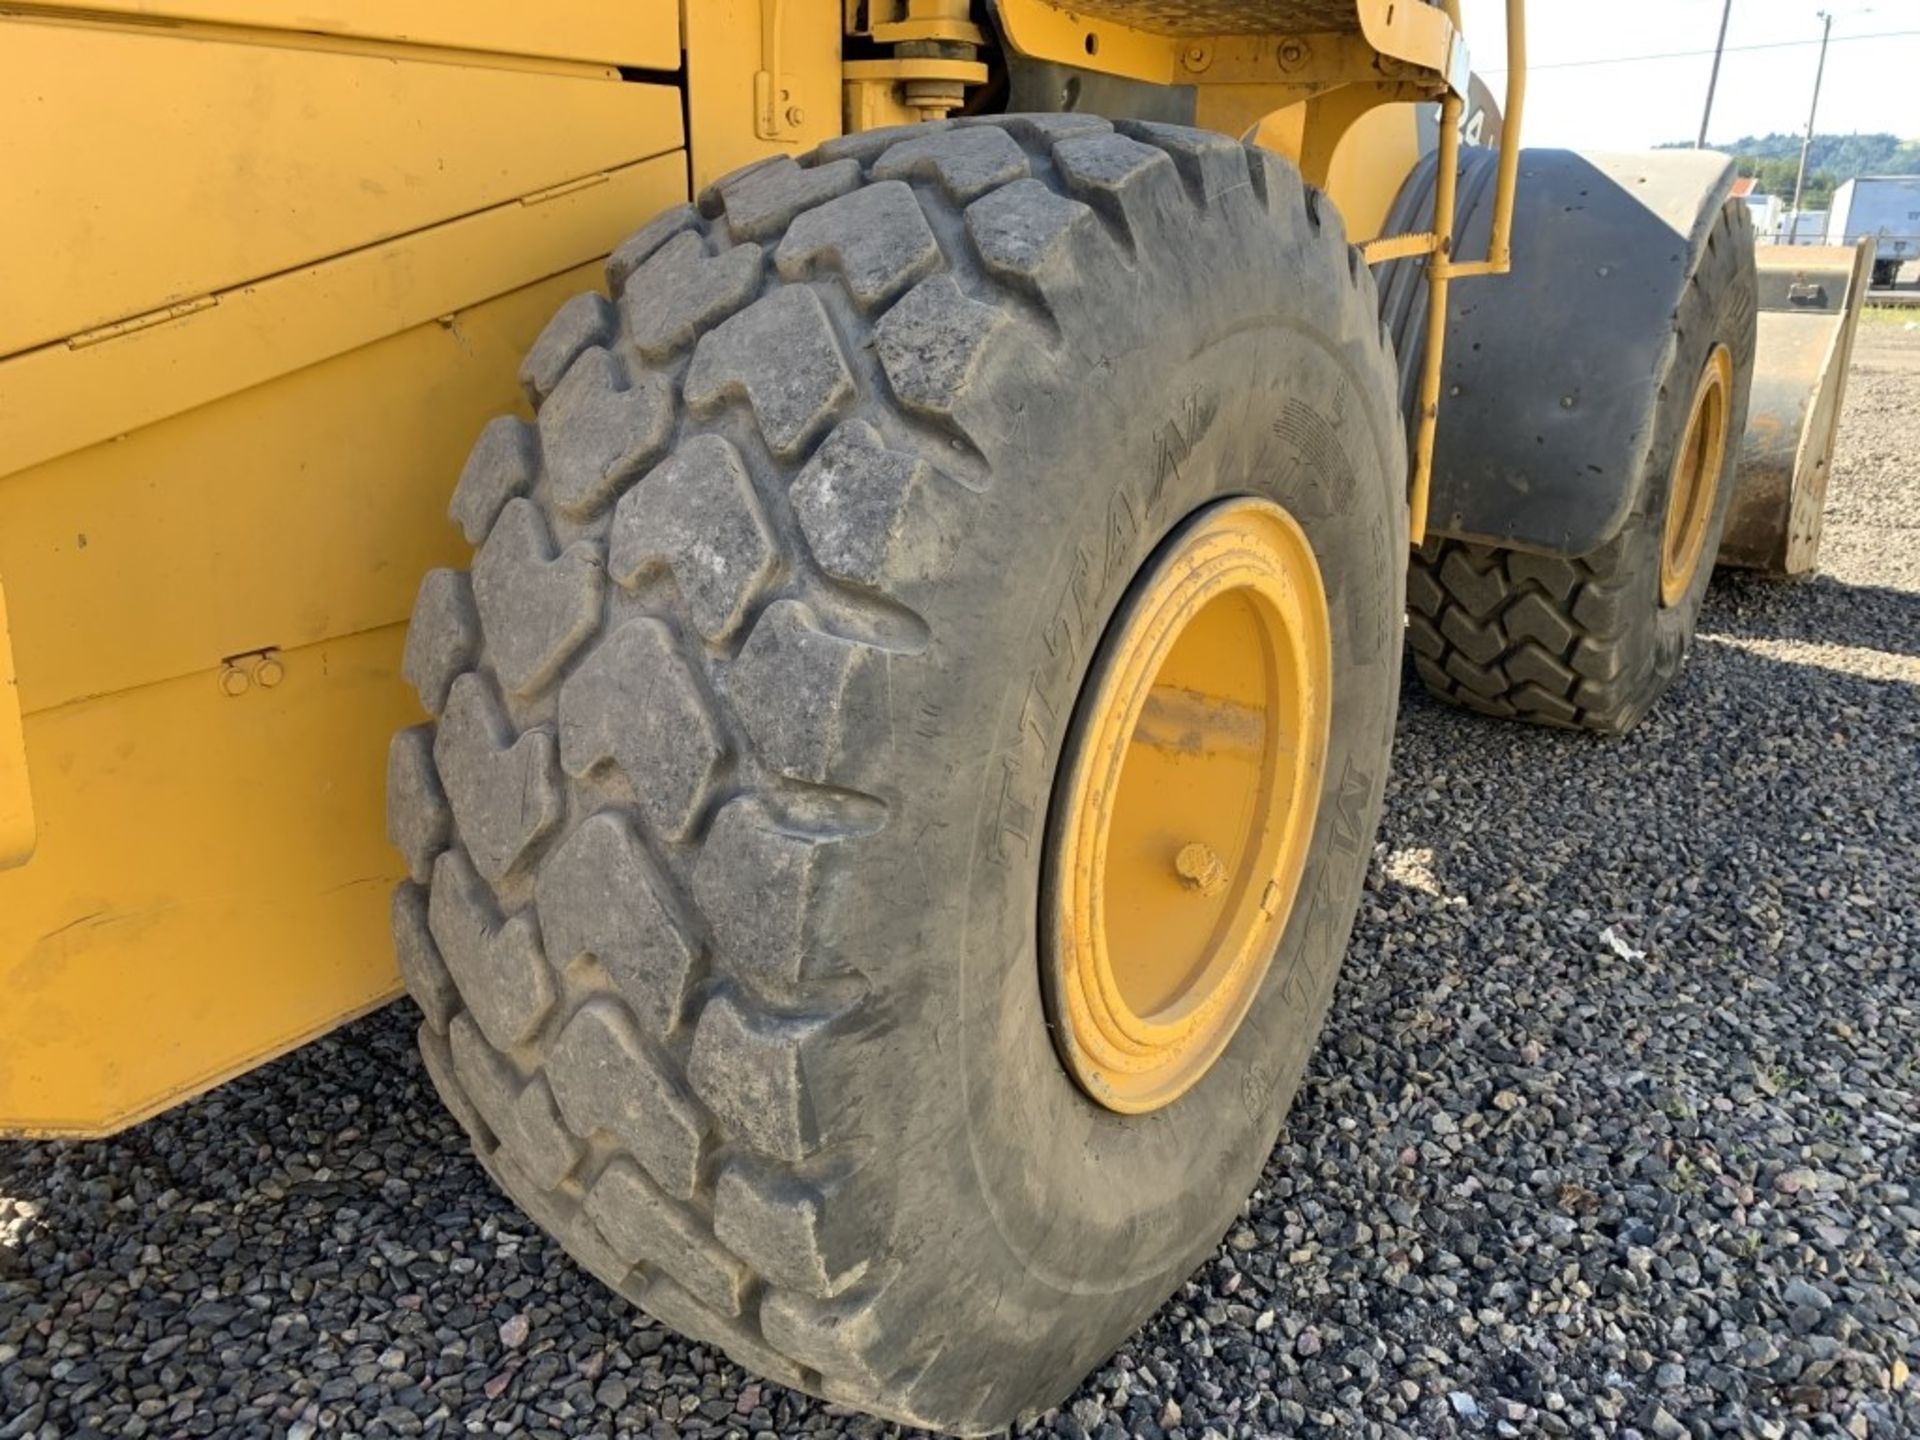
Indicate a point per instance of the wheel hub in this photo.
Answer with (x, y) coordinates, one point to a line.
(1696, 477)
(1187, 803)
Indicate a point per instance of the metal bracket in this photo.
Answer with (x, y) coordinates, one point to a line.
(775, 114)
(936, 21)
(935, 58)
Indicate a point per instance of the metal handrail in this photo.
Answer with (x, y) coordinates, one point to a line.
(1438, 243)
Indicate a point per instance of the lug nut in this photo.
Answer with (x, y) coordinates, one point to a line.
(1200, 868)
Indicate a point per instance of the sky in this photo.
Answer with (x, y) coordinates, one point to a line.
(1872, 84)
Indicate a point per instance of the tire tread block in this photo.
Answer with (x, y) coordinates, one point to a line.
(932, 344)
(875, 239)
(521, 1115)
(498, 964)
(443, 637)
(1029, 235)
(697, 515)
(965, 164)
(761, 201)
(425, 973)
(761, 888)
(597, 431)
(604, 1080)
(536, 608)
(781, 357)
(790, 1231)
(681, 289)
(634, 703)
(504, 789)
(644, 1227)
(419, 824)
(866, 510)
(503, 464)
(749, 1070)
(645, 243)
(584, 322)
(600, 895)
(799, 690)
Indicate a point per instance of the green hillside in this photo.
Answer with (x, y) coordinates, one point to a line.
(1774, 159)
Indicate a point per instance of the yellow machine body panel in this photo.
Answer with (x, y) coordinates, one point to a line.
(210, 885)
(643, 34)
(167, 167)
(728, 51)
(267, 269)
(261, 290)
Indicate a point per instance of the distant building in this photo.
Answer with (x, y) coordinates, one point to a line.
(1766, 208)
(1885, 207)
(1806, 227)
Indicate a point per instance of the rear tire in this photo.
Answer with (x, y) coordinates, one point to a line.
(1587, 642)
(726, 842)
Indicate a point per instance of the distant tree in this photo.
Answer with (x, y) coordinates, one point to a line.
(1773, 161)
(1776, 176)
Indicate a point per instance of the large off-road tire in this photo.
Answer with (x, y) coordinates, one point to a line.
(726, 842)
(1590, 642)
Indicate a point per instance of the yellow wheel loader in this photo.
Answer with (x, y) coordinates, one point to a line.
(883, 758)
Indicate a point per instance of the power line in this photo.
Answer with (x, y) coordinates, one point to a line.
(1689, 54)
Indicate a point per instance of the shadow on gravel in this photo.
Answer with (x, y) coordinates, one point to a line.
(1819, 610)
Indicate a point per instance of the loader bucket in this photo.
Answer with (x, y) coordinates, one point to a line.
(1810, 298)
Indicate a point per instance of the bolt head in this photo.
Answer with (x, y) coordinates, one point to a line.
(1200, 868)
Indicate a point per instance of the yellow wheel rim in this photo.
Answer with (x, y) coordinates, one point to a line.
(1696, 477)
(1186, 809)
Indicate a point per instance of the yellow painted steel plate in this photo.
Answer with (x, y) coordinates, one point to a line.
(210, 887)
(149, 169)
(211, 877)
(640, 33)
(269, 287)
(135, 559)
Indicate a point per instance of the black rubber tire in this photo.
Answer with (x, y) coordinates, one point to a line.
(725, 844)
(1584, 642)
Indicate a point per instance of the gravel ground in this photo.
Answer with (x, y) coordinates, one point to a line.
(1615, 1130)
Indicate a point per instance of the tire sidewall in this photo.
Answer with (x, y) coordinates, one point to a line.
(1719, 309)
(1109, 455)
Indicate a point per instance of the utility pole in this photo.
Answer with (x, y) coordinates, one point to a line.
(1713, 79)
(1800, 180)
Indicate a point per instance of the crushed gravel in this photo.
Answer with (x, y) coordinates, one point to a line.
(1615, 1130)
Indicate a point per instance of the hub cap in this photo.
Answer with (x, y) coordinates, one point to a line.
(1186, 806)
